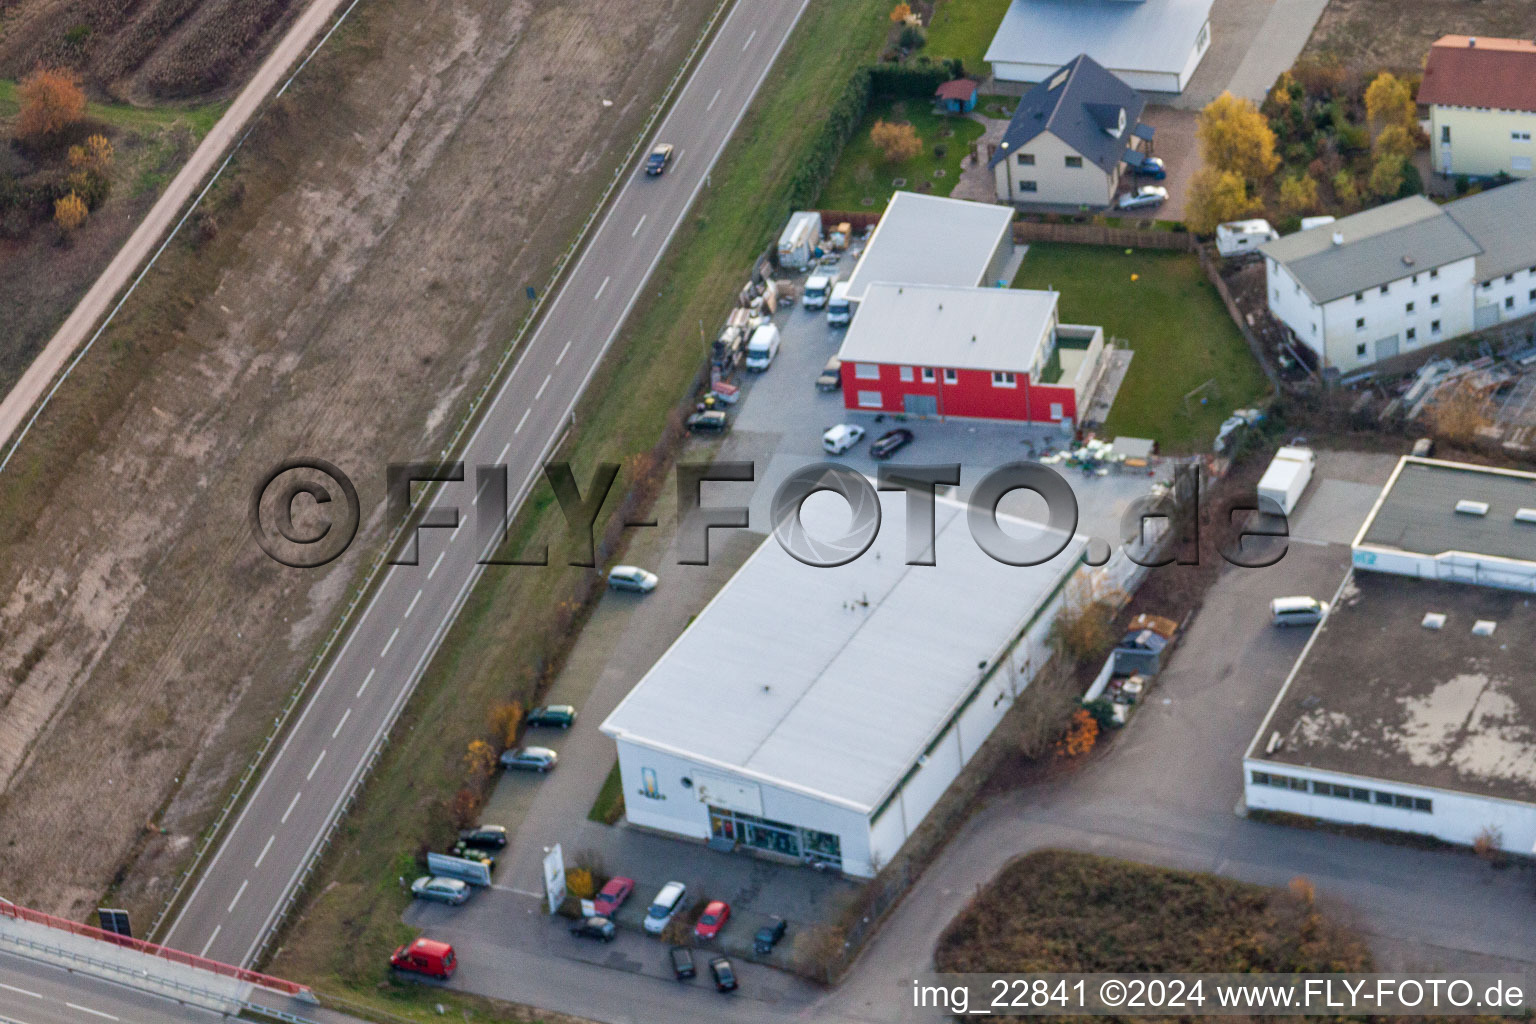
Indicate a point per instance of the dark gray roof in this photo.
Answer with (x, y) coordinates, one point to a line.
(1417, 511)
(1081, 111)
(1500, 220)
(1378, 246)
(1378, 695)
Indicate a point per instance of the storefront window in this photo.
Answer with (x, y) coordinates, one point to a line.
(776, 837)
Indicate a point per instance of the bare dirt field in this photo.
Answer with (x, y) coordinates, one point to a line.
(350, 284)
(1369, 35)
(144, 49)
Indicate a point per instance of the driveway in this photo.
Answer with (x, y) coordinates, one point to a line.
(1252, 41)
(1174, 143)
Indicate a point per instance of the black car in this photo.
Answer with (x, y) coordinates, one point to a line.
(599, 928)
(682, 963)
(725, 975)
(768, 936)
(658, 160)
(484, 837)
(711, 421)
(551, 716)
(890, 442)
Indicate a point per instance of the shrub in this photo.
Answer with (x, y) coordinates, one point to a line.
(1103, 711)
(1489, 845)
(464, 808)
(900, 13)
(479, 760)
(911, 37)
(897, 142)
(1344, 187)
(1386, 178)
(1389, 102)
(579, 882)
(51, 101)
(69, 212)
(1298, 193)
(1081, 735)
(506, 719)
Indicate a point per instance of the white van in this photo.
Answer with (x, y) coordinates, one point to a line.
(1297, 611)
(762, 347)
(664, 907)
(840, 438)
(839, 310)
(817, 289)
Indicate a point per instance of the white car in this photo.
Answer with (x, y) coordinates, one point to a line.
(840, 438)
(632, 577)
(1146, 195)
(444, 890)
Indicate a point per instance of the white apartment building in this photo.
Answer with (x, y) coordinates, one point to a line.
(1405, 276)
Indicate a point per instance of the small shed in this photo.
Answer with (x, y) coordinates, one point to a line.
(956, 96)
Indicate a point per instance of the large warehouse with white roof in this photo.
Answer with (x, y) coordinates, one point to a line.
(819, 713)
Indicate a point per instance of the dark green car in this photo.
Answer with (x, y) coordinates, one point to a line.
(552, 716)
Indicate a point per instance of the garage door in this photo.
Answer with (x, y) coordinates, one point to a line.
(1386, 347)
(1485, 316)
(920, 405)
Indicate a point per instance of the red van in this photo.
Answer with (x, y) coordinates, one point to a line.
(425, 956)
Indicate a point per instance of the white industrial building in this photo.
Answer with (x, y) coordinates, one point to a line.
(1152, 45)
(1412, 706)
(933, 240)
(818, 714)
(1404, 276)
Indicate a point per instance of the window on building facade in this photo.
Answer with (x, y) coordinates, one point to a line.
(1509, 302)
(1359, 323)
(1360, 351)
(1057, 412)
(950, 376)
(1434, 300)
(1434, 274)
(1359, 296)
(1026, 159)
(1074, 161)
(927, 375)
(906, 374)
(1003, 379)
(870, 400)
(1509, 278)
(1519, 136)
(1029, 186)
(1434, 327)
(1383, 289)
(1408, 308)
(866, 371)
(1412, 333)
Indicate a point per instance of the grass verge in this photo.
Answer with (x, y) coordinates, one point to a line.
(863, 179)
(517, 624)
(1173, 320)
(198, 118)
(609, 805)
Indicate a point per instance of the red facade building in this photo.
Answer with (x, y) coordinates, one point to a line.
(975, 353)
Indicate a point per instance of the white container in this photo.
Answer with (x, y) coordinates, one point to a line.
(1286, 478)
(799, 240)
(1239, 236)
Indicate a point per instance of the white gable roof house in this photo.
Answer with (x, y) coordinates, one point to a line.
(1152, 45)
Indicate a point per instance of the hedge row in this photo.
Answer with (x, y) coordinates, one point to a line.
(916, 80)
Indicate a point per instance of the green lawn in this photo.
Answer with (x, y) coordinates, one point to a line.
(1172, 318)
(863, 174)
(609, 805)
(199, 118)
(964, 29)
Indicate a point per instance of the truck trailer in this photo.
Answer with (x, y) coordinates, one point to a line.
(1285, 479)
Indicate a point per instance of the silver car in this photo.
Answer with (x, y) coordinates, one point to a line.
(632, 577)
(1146, 195)
(529, 759)
(444, 890)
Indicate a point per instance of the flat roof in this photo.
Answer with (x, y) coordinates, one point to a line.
(1499, 220)
(1149, 35)
(833, 682)
(1376, 694)
(964, 328)
(931, 240)
(1417, 511)
(1379, 245)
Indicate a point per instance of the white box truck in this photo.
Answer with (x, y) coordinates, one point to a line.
(797, 245)
(762, 347)
(1285, 479)
(818, 287)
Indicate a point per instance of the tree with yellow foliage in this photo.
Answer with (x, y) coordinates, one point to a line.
(70, 212)
(896, 141)
(1215, 197)
(900, 13)
(1395, 140)
(1298, 193)
(480, 759)
(95, 157)
(505, 720)
(1235, 137)
(1389, 101)
(51, 101)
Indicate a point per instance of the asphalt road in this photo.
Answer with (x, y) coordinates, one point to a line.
(261, 857)
(35, 993)
(145, 242)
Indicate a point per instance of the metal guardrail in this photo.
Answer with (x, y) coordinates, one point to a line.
(423, 501)
(136, 979)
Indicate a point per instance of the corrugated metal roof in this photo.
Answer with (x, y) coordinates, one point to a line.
(1080, 104)
(834, 681)
(1500, 221)
(1150, 35)
(1380, 245)
(1481, 71)
(963, 328)
(930, 240)
(1417, 512)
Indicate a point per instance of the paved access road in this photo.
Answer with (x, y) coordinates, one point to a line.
(246, 882)
(145, 241)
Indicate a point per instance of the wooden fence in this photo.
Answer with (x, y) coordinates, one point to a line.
(1101, 234)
